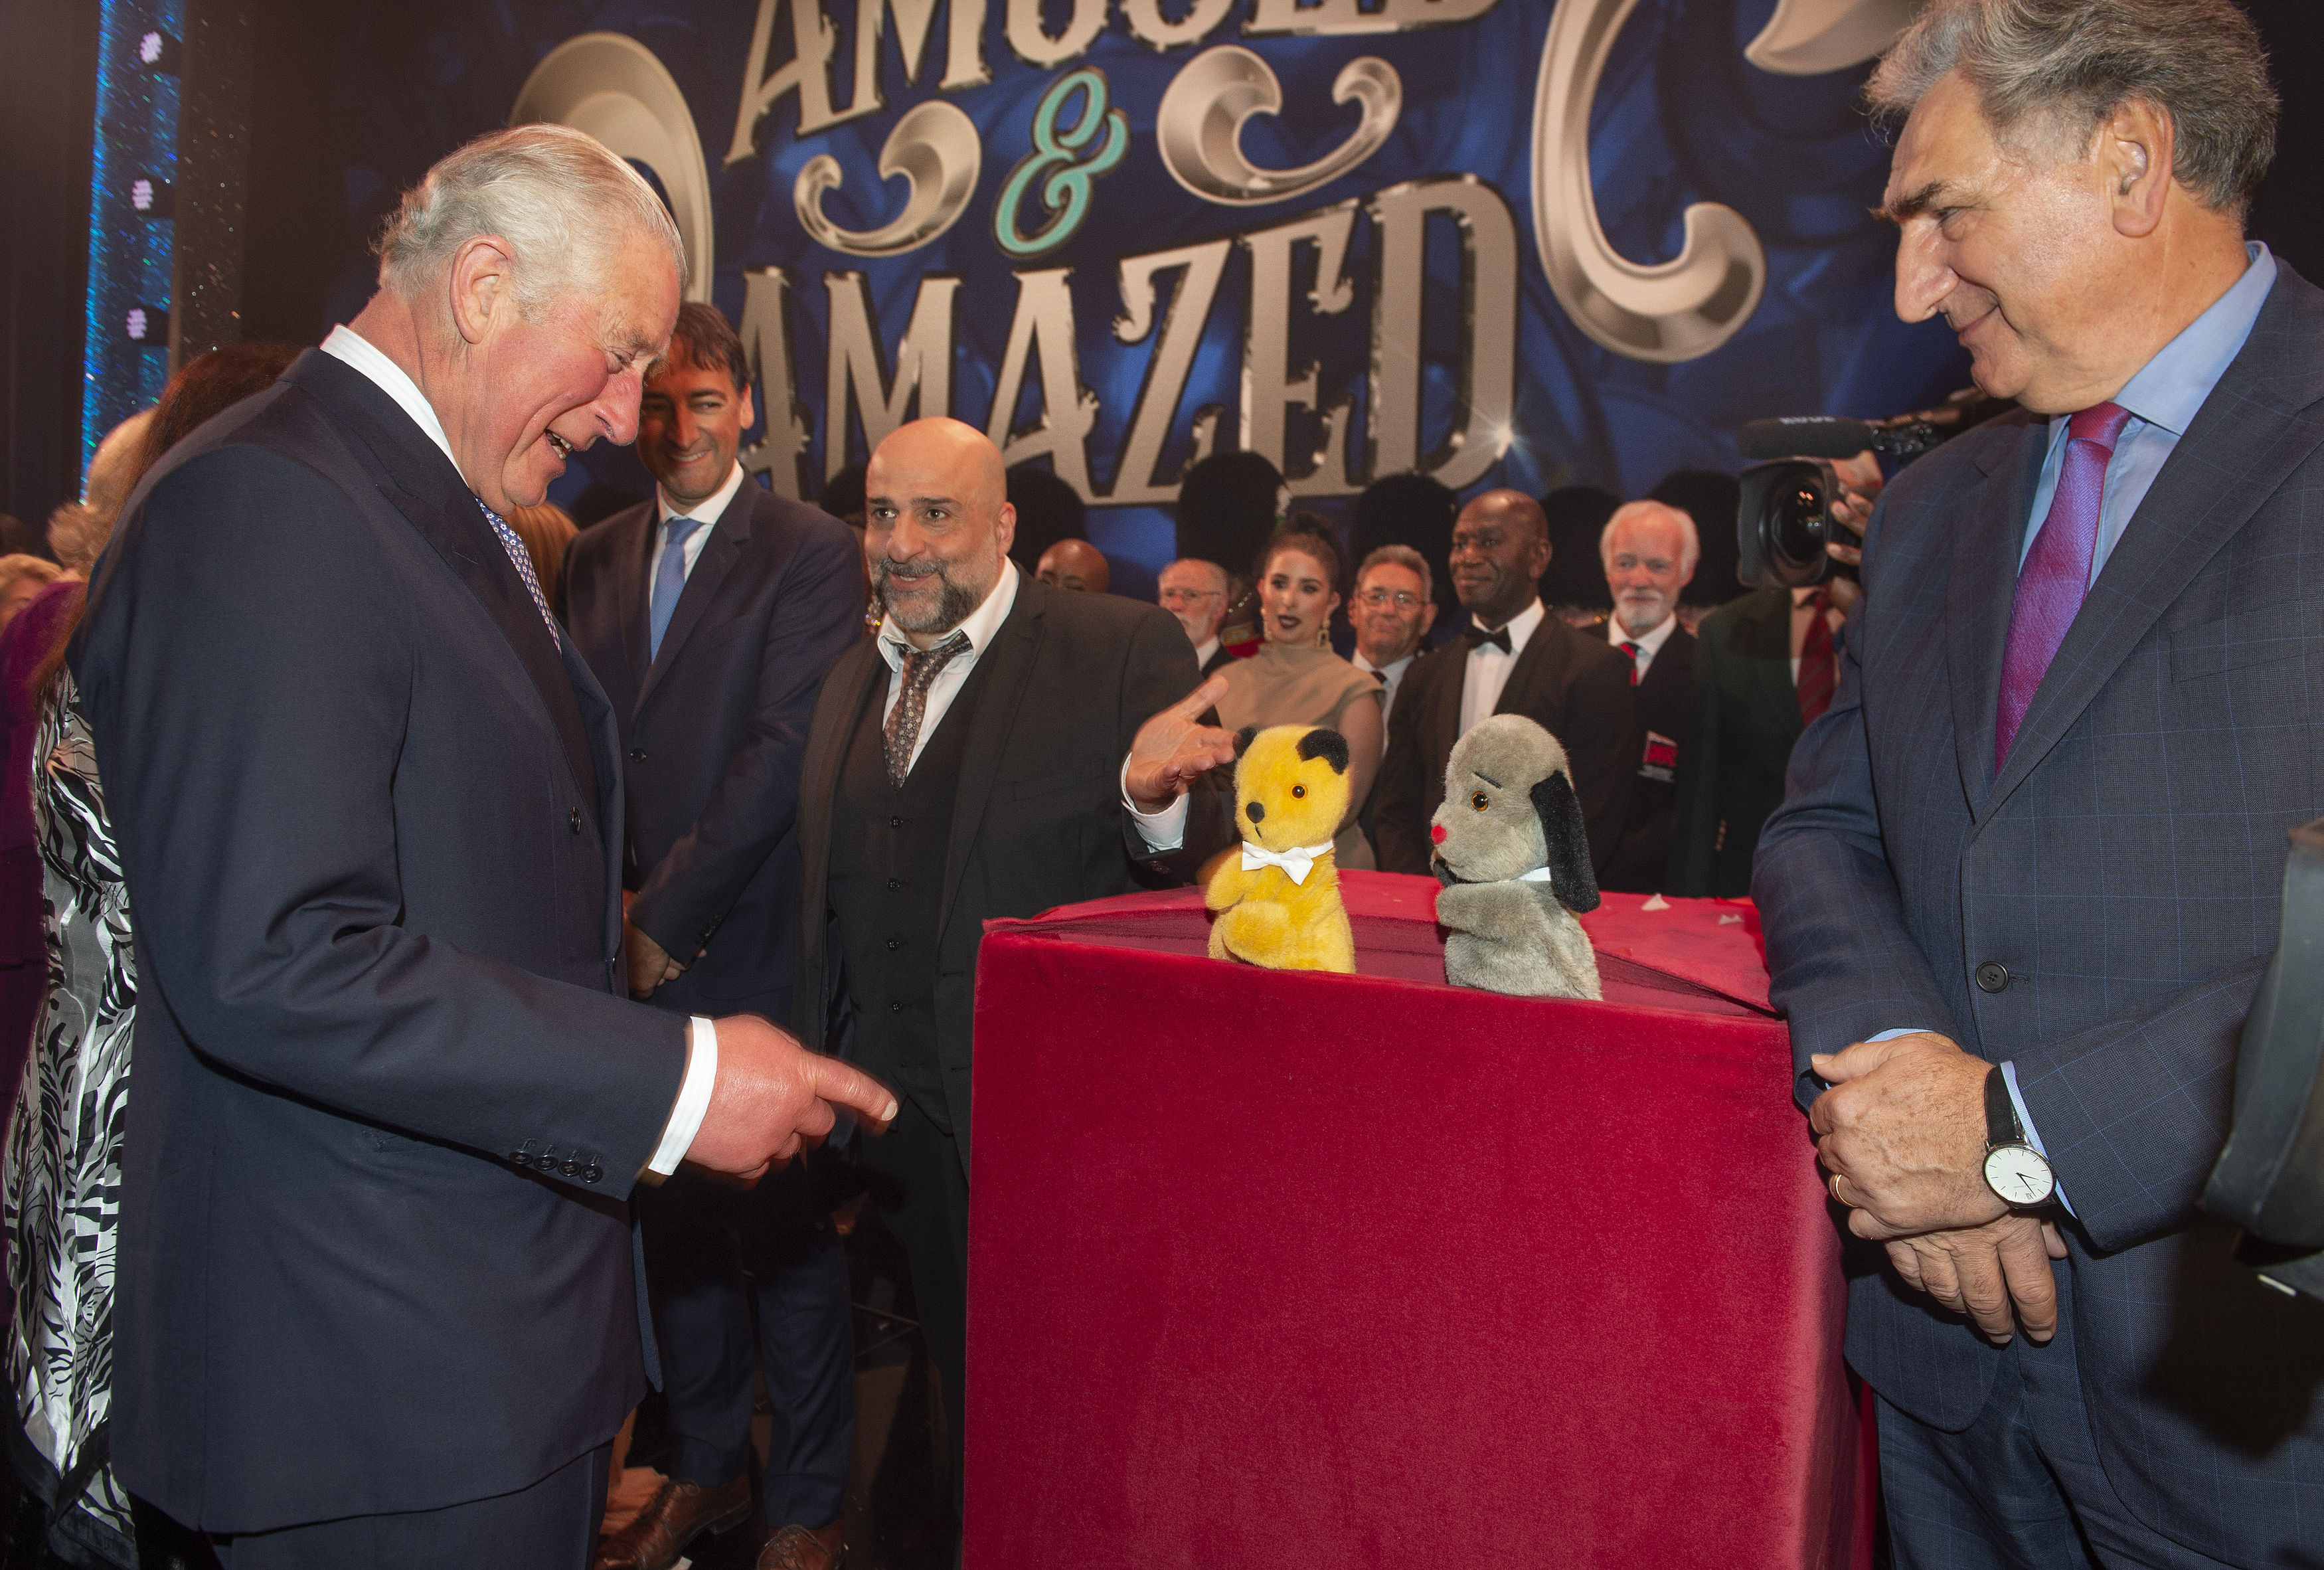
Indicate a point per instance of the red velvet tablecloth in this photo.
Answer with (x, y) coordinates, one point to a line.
(1289, 1270)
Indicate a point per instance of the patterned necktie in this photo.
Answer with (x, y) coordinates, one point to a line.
(903, 727)
(2056, 570)
(1632, 651)
(522, 560)
(1476, 637)
(1819, 667)
(669, 583)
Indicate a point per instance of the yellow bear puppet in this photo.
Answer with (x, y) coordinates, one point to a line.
(1278, 901)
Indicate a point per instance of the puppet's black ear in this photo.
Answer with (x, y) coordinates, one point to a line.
(1243, 739)
(1329, 745)
(1561, 830)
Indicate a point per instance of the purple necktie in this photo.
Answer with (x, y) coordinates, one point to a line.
(2056, 570)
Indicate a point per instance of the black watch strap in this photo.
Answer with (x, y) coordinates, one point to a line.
(2000, 1117)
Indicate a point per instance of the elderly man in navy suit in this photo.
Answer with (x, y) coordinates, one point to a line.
(2025, 877)
(711, 614)
(376, 1305)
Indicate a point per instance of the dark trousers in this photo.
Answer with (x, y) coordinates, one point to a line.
(700, 1238)
(922, 1191)
(550, 1526)
(2021, 1488)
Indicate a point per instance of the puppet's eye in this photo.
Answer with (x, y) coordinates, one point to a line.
(1480, 801)
(1299, 791)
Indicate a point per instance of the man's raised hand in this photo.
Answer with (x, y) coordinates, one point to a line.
(1174, 749)
(772, 1096)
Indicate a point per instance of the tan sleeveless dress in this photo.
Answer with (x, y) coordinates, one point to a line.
(1285, 686)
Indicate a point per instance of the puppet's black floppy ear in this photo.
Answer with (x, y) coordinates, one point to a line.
(1561, 830)
(1329, 745)
(1243, 739)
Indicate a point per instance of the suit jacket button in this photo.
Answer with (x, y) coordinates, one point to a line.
(894, 944)
(895, 1008)
(637, 754)
(575, 821)
(1992, 976)
(569, 1169)
(894, 884)
(895, 823)
(592, 1172)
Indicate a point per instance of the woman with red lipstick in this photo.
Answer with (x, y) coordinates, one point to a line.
(1295, 679)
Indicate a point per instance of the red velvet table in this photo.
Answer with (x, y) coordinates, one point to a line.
(1286, 1271)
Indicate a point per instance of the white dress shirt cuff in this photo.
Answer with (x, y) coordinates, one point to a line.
(1162, 831)
(693, 1097)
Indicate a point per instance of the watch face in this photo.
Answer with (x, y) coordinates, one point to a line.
(2019, 1174)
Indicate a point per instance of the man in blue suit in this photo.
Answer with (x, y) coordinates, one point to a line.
(711, 614)
(2026, 876)
(375, 1302)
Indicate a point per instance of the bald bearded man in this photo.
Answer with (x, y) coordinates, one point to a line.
(1059, 728)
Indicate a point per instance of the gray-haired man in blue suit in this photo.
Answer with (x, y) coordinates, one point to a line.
(2024, 879)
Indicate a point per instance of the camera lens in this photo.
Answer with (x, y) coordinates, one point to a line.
(1786, 522)
(1798, 523)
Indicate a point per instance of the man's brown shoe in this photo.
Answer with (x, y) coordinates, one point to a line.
(675, 1516)
(798, 1547)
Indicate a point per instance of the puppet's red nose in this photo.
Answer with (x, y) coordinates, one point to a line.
(1436, 832)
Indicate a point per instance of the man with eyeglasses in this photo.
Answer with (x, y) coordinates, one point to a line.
(1196, 592)
(1393, 612)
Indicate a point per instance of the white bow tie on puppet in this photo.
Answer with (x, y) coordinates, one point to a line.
(1295, 862)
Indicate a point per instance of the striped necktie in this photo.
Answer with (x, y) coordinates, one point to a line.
(522, 561)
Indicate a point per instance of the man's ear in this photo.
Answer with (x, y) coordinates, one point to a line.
(1004, 527)
(480, 282)
(2134, 150)
(1427, 619)
(1570, 874)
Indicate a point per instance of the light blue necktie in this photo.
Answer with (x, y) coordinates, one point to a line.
(670, 582)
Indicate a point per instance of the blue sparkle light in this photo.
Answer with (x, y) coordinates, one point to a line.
(125, 359)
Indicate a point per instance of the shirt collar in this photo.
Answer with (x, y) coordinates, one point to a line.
(1204, 651)
(1652, 643)
(1520, 626)
(981, 623)
(2170, 387)
(352, 349)
(707, 512)
(1390, 669)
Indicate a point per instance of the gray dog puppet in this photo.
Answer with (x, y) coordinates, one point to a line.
(1515, 861)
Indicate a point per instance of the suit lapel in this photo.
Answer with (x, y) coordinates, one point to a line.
(859, 673)
(2253, 430)
(633, 547)
(1543, 654)
(1987, 525)
(1013, 655)
(720, 552)
(422, 484)
(1441, 719)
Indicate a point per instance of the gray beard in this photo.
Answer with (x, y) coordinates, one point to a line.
(954, 602)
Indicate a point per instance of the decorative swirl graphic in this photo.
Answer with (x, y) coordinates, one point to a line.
(1056, 163)
(1199, 127)
(1806, 38)
(1679, 310)
(615, 89)
(935, 149)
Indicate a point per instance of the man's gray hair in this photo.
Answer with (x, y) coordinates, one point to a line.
(1226, 579)
(1403, 556)
(561, 198)
(1690, 548)
(2055, 69)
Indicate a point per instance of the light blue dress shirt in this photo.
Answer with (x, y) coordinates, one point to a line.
(2161, 398)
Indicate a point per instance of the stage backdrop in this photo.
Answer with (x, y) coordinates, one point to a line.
(1503, 241)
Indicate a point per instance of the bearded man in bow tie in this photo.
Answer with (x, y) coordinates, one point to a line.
(1512, 658)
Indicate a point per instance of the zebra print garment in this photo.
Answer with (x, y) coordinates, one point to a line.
(60, 1183)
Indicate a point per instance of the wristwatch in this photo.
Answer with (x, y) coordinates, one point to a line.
(2014, 1169)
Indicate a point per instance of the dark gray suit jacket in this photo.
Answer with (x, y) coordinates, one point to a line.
(388, 1098)
(714, 728)
(1037, 819)
(1730, 772)
(2124, 867)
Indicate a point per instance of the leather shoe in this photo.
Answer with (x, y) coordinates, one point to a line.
(798, 1547)
(676, 1514)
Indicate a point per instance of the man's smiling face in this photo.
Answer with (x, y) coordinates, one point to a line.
(2008, 245)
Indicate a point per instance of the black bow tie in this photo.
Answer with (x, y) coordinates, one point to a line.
(1476, 637)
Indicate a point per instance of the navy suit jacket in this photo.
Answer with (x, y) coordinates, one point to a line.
(2125, 867)
(714, 729)
(1747, 718)
(388, 1103)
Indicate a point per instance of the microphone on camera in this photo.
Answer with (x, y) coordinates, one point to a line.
(1804, 436)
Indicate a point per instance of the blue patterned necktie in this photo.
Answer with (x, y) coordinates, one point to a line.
(523, 564)
(669, 582)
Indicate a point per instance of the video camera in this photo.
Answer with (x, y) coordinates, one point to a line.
(1785, 521)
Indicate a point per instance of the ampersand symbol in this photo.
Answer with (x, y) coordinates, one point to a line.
(1055, 161)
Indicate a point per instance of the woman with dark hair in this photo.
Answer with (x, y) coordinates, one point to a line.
(1294, 680)
(61, 1180)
